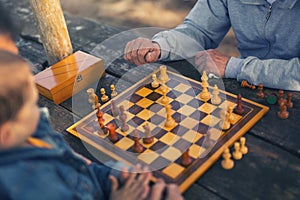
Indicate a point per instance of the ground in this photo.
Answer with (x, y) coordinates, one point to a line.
(141, 13)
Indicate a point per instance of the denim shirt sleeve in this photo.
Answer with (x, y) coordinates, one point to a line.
(203, 28)
(286, 77)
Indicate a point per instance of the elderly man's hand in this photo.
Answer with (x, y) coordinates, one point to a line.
(212, 61)
(141, 51)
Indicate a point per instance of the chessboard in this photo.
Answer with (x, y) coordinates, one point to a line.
(194, 119)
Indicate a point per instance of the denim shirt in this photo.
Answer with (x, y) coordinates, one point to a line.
(57, 173)
(267, 34)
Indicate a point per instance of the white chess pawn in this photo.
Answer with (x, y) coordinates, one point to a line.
(237, 154)
(215, 99)
(113, 91)
(154, 82)
(230, 115)
(244, 149)
(163, 77)
(227, 163)
(104, 97)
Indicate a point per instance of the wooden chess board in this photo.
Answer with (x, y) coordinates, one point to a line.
(193, 116)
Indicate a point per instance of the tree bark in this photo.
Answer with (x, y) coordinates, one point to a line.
(52, 28)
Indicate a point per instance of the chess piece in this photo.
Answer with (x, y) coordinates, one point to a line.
(113, 91)
(215, 99)
(289, 102)
(260, 93)
(137, 147)
(104, 97)
(154, 83)
(204, 95)
(103, 128)
(224, 123)
(170, 122)
(163, 77)
(230, 115)
(283, 113)
(114, 109)
(227, 162)
(208, 141)
(112, 135)
(186, 159)
(93, 98)
(281, 97)
(244, 83)
(164, 99)
(124, 125)
(244, 149)
(237, 154)
(148, 139)
(239, 108)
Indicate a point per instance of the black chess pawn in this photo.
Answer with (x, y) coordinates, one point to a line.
(289, 102)
(260, 93)
(281, 97)
(283, 113)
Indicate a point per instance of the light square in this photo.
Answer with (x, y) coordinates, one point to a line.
(210, 120)
(145, 114)
(189, 123)
(183, 98)
(196, 151)
(171, 153)
(192, 136)
(127, 104)
(215, 134)
(182, 88)
(186, 110)
(106, 117)
(144, 92)
(144, 103)
(207, 108)
(124, 143)
(236, 118)
(226, 104)
(148, 156)
(169, 138)
(173, 170)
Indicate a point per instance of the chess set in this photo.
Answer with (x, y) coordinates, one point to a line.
(177, 126)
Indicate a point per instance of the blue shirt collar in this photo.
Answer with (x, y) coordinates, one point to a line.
(284, 4)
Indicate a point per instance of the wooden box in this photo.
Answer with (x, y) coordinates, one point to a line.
(79, 69)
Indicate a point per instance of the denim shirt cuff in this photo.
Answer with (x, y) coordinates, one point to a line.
(162, 42)
(233, 67)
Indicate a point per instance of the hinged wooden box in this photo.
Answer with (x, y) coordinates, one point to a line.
(79, 69)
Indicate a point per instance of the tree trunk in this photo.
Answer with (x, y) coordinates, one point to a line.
(53, 29)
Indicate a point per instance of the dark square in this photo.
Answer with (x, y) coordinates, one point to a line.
(156, 107)
(135, 121)
(198, 115)
(114, 121)
(156, 119)
(192, 92)
(160, 163)
(149, 86)
(178, 117)
(158, 132)
(216, 112)
(172, 83)
(195, 103)
(173, 94)
(135, 98)
(182, 145)
(158, 147)
(178, 161)
(119, 138)
(200, 141)
(153, 96)
(175, 105)
(132, 135)
(180, 130)
(131, 149)
(201, 128)
(135, 109)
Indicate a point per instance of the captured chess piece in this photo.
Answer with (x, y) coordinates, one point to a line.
(283, 113)
(104, 97)
(244, 83)
(186, 159)
(204, 95)
(93, 98)
(239, 108)
(289, 102)
(103, 128)
(281, 97)
(113, 91)
(260, 93)
(227, 162)
(215, 99)
(163, 77)
(244, 148)
(154, 83)
(148, 139)
(224, 123)
(112, 135)
(237, 154)
(137, 147)
(170, 122)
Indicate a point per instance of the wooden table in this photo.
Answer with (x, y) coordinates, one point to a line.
(271, 169)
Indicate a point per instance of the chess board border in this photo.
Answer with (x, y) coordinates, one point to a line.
(193, 172)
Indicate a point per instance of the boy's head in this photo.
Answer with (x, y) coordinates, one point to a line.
(8, 31)
(19, 112)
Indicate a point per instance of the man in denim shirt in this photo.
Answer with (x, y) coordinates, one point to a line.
(268, 38)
